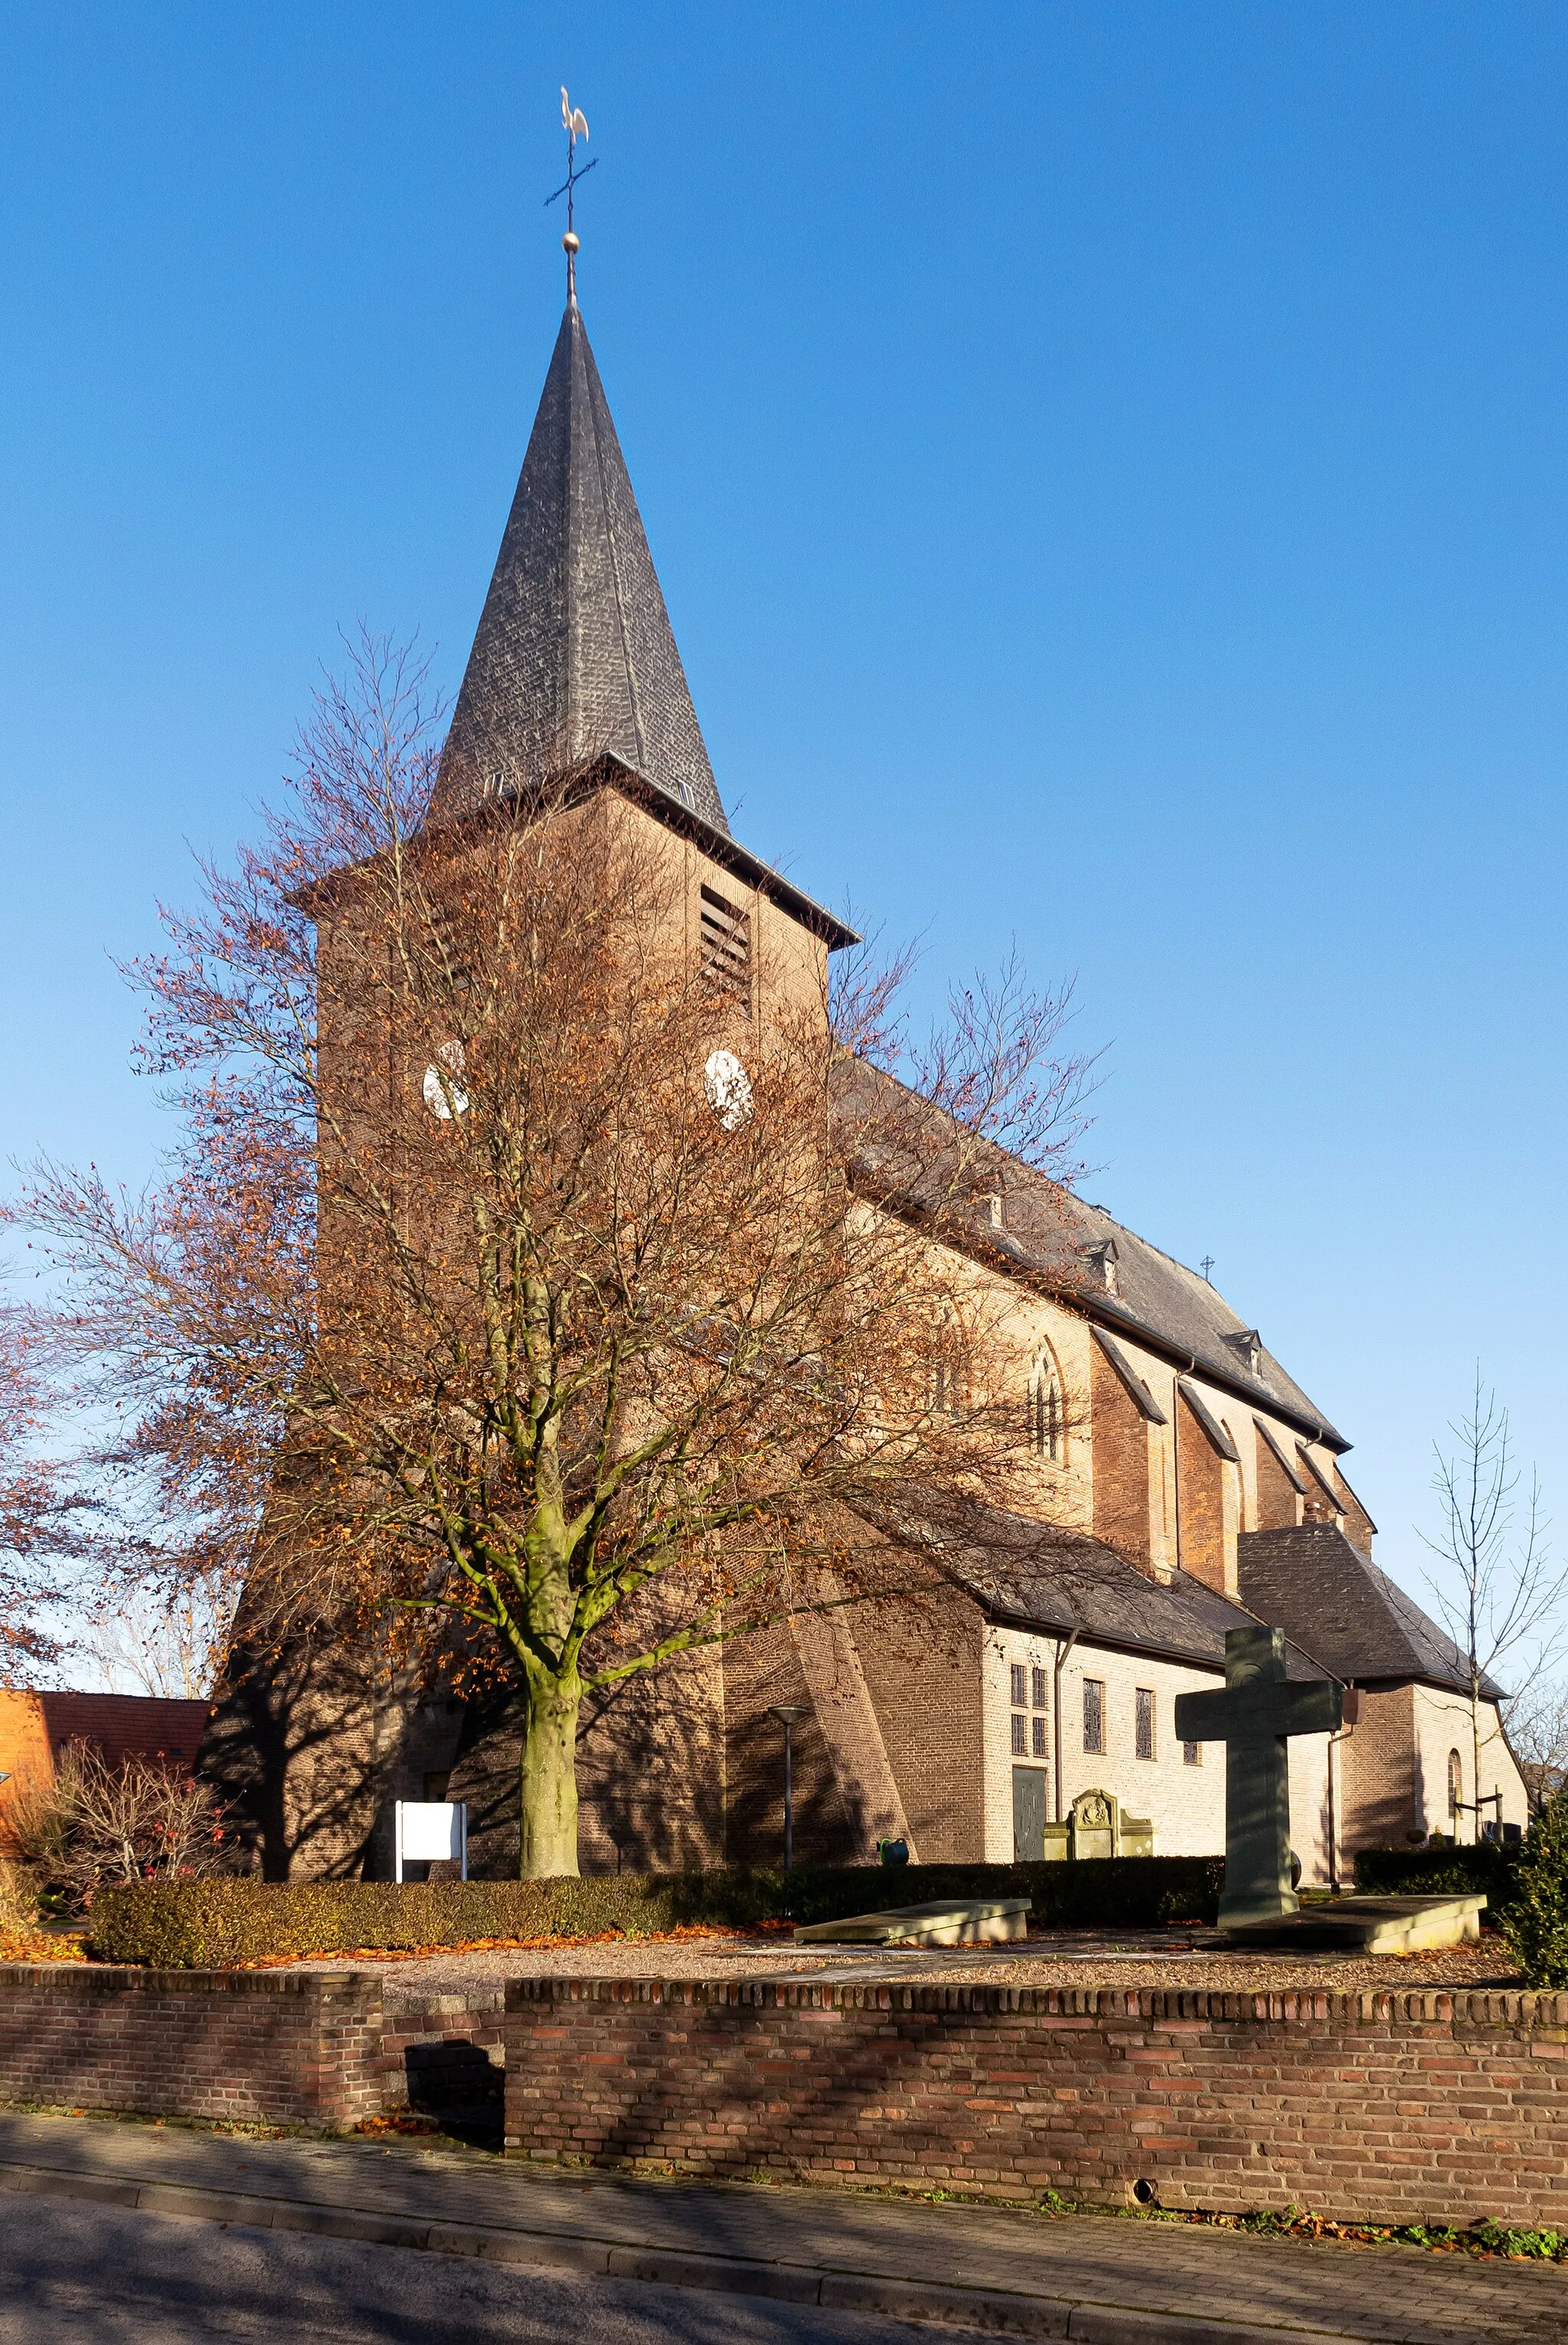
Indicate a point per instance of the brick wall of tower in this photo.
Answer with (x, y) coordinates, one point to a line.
(919, 1659)
(923, 1668)
(760, 1673)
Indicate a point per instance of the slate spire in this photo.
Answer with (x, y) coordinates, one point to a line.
(575, 655)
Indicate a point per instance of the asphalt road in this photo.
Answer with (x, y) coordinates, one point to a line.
(75, 2274)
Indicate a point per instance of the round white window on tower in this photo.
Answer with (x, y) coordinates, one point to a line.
(728, 1089)
(443, 1094)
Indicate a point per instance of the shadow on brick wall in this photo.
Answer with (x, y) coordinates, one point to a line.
(457, 2085)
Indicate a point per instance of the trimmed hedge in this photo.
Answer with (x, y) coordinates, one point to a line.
(210, 1924)
(1487, 1868)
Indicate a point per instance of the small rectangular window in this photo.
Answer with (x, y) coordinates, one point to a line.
(1037, 1688)
(1039, 1724)
(1094, 1714)
(1192, 1754)
(1144, 1721)
(1018, 1750)
(727, 945)
(1020, 1677)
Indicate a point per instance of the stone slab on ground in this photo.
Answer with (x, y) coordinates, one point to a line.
(952, 1922)
(1117, 2281)
(1372, 1925)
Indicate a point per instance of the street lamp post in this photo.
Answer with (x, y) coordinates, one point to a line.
(789, 1712)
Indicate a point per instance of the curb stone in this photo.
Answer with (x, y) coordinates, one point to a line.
(991, 2311)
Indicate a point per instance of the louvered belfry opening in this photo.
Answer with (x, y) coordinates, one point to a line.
(727, 946)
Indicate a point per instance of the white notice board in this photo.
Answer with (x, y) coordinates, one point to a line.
(432, 1829)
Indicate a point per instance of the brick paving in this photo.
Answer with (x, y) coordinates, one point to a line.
(1380, 2295)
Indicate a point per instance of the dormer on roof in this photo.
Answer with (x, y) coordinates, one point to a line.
(1102, 1255)
(1247, 1346)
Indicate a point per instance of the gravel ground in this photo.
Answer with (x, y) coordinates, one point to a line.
(1052, 1958)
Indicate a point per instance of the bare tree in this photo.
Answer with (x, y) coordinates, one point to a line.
(41, 1515)
(1499, 1593)
(1536, 1721)
(174, 1648)
(494, 1309)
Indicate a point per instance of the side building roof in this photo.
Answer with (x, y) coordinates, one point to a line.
(1051, 1581)
(122, 1726)
(1337, 1606)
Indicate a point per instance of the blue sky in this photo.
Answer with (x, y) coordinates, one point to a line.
(1106, 469)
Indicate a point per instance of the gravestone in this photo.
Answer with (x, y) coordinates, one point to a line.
(1373, 1925)
(1098, 1825)
(1093, 1825)
(1254, 1718)
(958, 1922)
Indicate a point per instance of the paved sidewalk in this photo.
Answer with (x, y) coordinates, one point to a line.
(1097, 2277)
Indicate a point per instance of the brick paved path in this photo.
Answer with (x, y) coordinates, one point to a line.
(1184, 2284)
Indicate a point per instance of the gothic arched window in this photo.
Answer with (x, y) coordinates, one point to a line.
(1455, 1788)
(1047, 1418)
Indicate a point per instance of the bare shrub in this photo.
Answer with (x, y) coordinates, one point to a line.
(140, 1820)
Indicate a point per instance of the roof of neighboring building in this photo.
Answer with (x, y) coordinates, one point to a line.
(126, 1725)
(1055, 1580)
(575, 655)
(1335, 1603)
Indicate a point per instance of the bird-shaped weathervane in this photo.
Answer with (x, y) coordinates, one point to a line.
(575, 123)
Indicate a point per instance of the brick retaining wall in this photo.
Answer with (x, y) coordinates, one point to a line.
(1391, 2108)
(1437, 2106)
(275, 2047)
(280, 2048)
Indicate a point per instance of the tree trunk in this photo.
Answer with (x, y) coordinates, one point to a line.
(548, 1844)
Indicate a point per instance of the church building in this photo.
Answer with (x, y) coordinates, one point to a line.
(1188, 1484)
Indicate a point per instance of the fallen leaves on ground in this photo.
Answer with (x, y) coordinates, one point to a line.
(41, 1946)
(684, 1934)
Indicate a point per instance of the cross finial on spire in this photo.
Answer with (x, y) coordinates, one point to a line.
(575, 123)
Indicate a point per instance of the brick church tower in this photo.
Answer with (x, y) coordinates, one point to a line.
(573, 690)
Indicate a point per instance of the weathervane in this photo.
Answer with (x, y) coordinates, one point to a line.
(574, 124)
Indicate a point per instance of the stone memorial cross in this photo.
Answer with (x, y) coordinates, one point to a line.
(1254, 1717)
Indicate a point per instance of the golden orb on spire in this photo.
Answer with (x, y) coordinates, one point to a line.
(571, 242)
